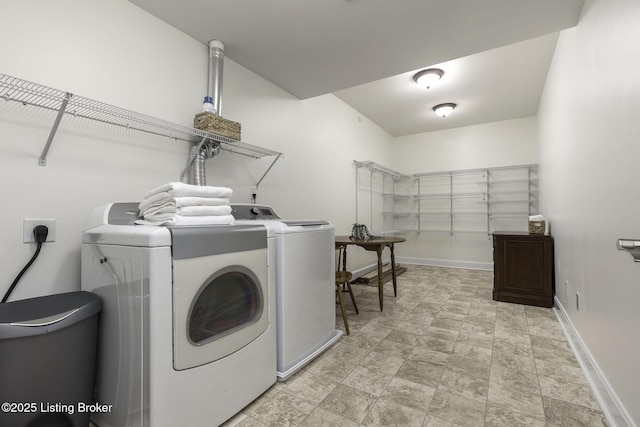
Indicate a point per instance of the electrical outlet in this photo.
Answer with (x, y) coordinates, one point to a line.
(28, 224)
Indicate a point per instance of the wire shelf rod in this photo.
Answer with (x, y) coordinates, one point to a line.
(373, 166)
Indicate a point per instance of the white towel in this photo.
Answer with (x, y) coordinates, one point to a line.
(169, 219)
(186, 211)
(201, 201)
(180, 189)
(204, 210)
(164, 199)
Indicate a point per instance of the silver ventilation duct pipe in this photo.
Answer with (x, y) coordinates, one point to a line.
(200, 153)
(197, 172)
(216, 67)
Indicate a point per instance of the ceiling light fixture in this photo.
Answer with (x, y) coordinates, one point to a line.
(428, 77)
(443, 110)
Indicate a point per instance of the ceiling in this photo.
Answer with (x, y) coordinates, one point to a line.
(495, 53)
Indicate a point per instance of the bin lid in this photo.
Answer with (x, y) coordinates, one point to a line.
(42, 315)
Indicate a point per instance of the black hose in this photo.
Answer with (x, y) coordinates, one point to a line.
(26, 267)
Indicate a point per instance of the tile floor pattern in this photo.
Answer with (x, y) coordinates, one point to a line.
(442, 353)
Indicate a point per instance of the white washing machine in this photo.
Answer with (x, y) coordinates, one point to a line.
(305, 285)
(187, 330)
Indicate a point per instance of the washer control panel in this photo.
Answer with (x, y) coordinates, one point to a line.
(253, 212)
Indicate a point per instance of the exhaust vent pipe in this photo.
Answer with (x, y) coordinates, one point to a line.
(216, 67)
(201, 152)
(197, 171)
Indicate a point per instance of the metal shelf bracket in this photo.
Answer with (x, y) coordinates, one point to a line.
(42, 161)
(268, 169)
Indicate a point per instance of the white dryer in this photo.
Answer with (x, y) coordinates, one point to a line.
(187, 330)
(305, 285)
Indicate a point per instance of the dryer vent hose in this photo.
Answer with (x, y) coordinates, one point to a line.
(198, 172)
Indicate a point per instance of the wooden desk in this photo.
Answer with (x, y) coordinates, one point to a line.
(378, 246)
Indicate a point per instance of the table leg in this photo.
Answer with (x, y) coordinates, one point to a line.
(393, 271)
(380, 280)
(344, 259)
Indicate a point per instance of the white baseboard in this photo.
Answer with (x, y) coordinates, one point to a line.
(471, 265)
(367, 268)
(613, 409)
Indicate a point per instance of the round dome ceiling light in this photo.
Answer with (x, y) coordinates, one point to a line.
(443, 110)
(428, 77)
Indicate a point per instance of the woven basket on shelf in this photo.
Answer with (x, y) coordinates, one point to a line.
(217, 125)
(536, 227)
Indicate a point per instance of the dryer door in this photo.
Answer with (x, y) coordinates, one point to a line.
(217, 314)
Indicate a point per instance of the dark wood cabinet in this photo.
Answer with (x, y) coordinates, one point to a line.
(523, 268)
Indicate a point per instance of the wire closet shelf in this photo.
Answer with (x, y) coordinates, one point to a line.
(465, 200)
(34, 94)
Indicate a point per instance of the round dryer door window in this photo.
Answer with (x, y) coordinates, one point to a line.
(216, 315)
(230, 301)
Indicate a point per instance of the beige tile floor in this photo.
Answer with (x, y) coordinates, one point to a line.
(442, 353)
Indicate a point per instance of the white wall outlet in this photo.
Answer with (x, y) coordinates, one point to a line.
(28, 224)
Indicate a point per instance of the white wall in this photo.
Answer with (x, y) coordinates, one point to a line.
(116, 53)
(505, 143)
(590, 149)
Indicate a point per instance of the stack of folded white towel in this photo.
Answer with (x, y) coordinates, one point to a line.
(177, 203)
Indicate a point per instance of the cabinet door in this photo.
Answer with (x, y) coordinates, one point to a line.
(524, 269)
